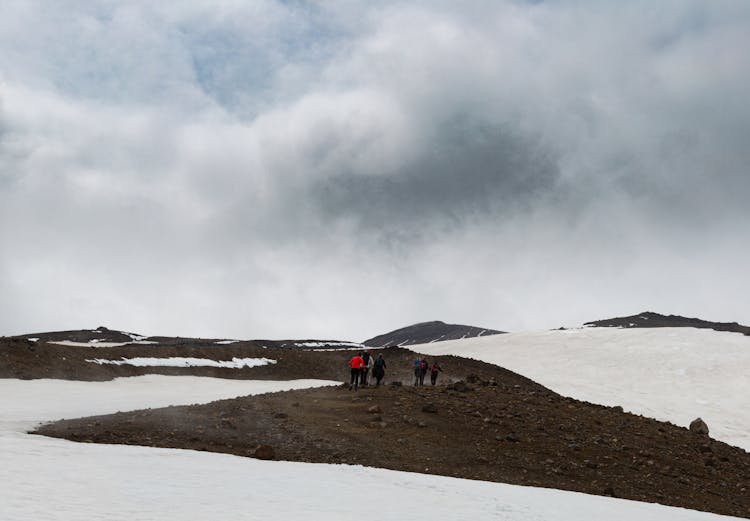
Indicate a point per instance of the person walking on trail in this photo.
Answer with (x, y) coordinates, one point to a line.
(417, 364)
(422, 370)
(378, 370)
(434, 370)
(367, 358)
(355, 364)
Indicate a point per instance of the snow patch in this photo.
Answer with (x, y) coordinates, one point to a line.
(234, 363)
(226, 342)
(97, 343)
(33, 339)
(327, 344)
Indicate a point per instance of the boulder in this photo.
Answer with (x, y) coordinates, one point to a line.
(429, 407)
(264, 452)
(698, 426)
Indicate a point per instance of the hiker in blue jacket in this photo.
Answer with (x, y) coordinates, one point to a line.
(417, 365)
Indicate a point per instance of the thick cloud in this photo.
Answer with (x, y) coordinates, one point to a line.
(286, 169)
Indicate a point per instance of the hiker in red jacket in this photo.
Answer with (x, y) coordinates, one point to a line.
(356, 364)
(423, 367)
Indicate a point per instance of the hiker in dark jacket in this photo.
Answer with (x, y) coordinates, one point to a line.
(434, 370)
(379, 370)
(417, 364)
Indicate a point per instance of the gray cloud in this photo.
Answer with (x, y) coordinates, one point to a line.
(297, 169)
(465, 173)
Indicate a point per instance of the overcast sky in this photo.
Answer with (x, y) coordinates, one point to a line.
(282, 169)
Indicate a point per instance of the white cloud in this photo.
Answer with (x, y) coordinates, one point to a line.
(272, 169)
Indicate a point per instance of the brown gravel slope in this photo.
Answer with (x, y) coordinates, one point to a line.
(504, 428)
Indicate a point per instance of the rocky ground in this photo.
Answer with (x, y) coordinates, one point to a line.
(24, 359)
(493, 425)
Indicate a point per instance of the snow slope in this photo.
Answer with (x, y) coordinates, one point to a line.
(671, 374)
(51, 479)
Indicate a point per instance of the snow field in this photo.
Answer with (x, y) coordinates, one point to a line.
(671, 374)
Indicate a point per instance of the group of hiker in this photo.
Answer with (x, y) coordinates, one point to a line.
(421, 367)
(363, 363)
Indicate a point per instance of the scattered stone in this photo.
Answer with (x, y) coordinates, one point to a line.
(459, 386)
(397, 383)
(281, 415)
(374, 409)
(698, 426)
(512, 438)
(429, 407)
(618, 408)
(421, 425)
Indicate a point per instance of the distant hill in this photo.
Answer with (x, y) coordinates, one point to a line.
(93, 336)
(427, 332)
(103, 336)
(651, 319)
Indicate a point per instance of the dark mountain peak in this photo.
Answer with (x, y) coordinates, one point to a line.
(652, 319)
(424, 324)
(427, 332)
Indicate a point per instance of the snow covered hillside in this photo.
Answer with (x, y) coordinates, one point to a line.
(52, 479)
(671, 374)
